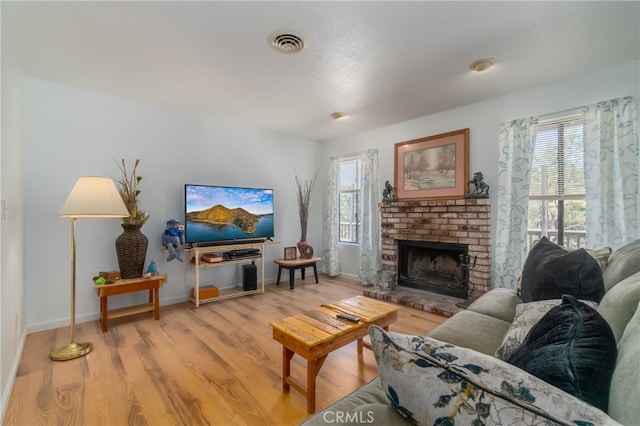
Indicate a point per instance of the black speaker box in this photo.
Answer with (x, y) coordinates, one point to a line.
(249, 277)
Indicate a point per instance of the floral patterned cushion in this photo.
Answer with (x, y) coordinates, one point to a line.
(527, 315)
(430, 382)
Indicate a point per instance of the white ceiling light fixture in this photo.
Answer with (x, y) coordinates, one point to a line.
(482, 64)
(286, 42)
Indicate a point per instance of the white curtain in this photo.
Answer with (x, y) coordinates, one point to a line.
(331, 223)
(516, 146)
(370, 261)
(612, 165)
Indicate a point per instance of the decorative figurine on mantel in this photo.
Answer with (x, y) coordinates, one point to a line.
(479, 189)
(387, 193)
(173, 239)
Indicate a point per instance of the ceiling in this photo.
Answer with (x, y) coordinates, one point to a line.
(378, 62)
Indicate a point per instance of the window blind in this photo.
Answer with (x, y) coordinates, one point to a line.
(558, 161)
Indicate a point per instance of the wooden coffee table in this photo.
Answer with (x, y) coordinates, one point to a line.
(316, 333)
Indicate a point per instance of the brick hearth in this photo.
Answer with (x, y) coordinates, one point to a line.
(463, 221)
(438, 304)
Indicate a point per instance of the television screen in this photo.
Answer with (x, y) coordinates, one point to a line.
(218, 214)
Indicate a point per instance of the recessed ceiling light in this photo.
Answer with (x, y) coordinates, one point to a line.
(286, 42)
(482, 64)
(336, 115)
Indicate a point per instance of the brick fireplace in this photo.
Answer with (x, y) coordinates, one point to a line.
(465, 222)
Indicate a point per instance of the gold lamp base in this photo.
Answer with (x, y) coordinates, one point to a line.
(71, 351)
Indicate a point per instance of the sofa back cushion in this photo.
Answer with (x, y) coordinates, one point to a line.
(620, 303)
(622, 263)
(624, 398)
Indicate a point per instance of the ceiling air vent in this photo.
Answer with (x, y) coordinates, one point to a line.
(286, 42)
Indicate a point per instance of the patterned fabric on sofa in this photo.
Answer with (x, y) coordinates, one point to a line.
(435, 383)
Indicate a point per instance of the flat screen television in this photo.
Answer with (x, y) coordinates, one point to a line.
(226, 214)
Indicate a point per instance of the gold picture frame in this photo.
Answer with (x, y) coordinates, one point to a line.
(290, 253)
(432, 167)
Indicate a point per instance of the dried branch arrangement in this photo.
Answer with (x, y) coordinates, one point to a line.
(304, 198)
(128, 187)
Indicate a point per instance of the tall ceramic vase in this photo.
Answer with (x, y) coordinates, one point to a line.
(305, 249)
(131, 249)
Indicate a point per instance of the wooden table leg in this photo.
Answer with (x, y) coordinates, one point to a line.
(302, 268)
(313, 368)
(292, 273)
(279, 270)
(311, 385)
(287, 354)
(315, 272)
(104, 313)
(156, 297)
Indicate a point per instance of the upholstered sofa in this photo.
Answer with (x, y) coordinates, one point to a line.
(453, 376)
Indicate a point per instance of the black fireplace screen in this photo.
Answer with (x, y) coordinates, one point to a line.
(435, 267)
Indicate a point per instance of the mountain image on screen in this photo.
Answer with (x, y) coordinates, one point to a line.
(217, 215)
(222, 216)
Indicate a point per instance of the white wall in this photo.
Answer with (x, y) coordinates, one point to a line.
(71, 133)
(12, 306)
(483, 119)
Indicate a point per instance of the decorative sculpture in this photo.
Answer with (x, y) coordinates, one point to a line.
(387, 193)
(479, 189)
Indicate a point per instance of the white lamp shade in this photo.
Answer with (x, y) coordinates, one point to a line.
(94, 196)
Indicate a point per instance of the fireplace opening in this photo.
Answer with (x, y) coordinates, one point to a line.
(436, 267)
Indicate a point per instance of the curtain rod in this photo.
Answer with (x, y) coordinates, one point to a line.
(353, 154)
(575, 110)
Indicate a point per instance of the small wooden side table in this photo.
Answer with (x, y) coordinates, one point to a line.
(293, 264)
(123, 286)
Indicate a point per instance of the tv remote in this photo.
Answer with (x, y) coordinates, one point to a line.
(348, 317)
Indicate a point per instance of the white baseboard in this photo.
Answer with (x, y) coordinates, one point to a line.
(6, 392)
(351, 276)
(94, 316)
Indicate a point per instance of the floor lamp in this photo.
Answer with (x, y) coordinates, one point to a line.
(91, 197)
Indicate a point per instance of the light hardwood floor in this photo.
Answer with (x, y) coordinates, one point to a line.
(212, 365)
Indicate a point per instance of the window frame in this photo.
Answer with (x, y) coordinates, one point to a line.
(559, 124)
(354, 222)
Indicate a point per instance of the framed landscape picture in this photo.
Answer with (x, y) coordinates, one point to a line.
(432, 167)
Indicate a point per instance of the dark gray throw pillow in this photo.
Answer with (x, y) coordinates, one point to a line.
(551, 271)
(573, 348)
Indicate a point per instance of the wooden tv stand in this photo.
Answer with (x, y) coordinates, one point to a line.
(198, 264)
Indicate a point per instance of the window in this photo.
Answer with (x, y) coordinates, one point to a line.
(349, 193)
(557, 194)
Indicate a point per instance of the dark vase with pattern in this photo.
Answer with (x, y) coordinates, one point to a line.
(131, 249)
